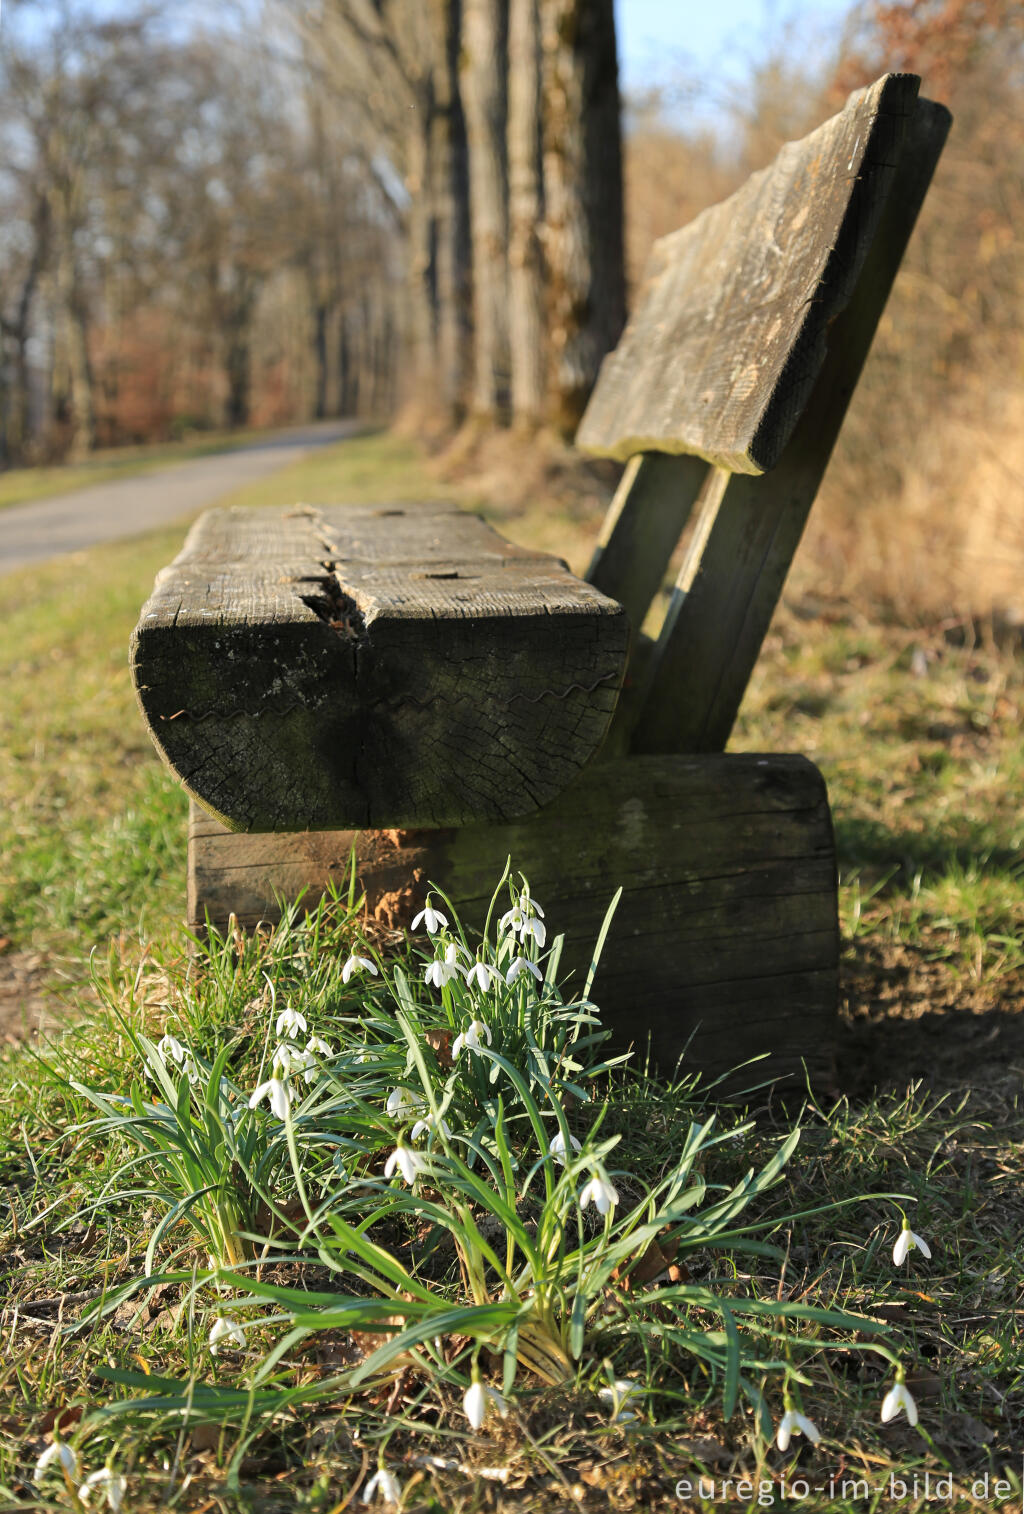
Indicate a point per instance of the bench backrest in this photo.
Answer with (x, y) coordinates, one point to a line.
(743, 352)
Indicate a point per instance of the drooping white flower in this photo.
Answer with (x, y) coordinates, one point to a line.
(111, 1483)
(618, 1395)
(429, 1123)
(190, 1068)
(225, 1329)
(535, 928)
(170, 1046)
(523, 965)
(278, 1092)
(356, 965)
(906, 1241)
(290, 1022)
(316, 1046)
(481, 974)
(384, 1485)
(512, 920)
(557, 1148)
(600, 1192)
(793, 1422)
(302, 1062)
(57, 1450)
(441, 971)
(401, 1101)
(408, 1162)
(432, 919)
(470, 1039)
(897, 1398)
(477, 1399)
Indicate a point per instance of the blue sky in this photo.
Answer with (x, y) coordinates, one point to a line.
(718, 39)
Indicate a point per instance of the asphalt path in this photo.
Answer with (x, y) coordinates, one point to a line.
(63, 523)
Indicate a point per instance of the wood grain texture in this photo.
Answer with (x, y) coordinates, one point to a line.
(730, 328)
(726, 933)
(749, 528)
(642, 527)
(330, 667)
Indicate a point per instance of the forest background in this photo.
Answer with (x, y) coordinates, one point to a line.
(434, 212)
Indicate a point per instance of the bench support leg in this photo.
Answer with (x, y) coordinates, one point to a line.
(726, 936)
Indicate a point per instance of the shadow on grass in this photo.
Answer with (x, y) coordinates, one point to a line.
(872, 845)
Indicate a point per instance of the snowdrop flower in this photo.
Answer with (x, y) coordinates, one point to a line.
(481, 974)
(906, 1241)
(557, 1148)
(432, 919)
(58, 1450)
(303, 1062)
(383, 1484)
(477, 1399)
(356, 965)
(170, 1046)
(470, 1039)
(432, 1122)
(290, 1022)
(441, 972)
(189, 1068)
(535, 928)
(317, 1046)
(409, 1163)
(897, 1398)
(523, 965)
(618, 1395)
(600, 1192)
(512, 920)
(278, 1092)
(112, 1483)
(793, 1422)
(401, 1101)
(226, 1329)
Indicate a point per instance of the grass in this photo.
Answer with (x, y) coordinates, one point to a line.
(917, 732)
(19, 486)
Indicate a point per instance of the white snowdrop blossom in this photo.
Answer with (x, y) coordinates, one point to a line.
(189, 1068)
(110, 1483)
(225, 1330)
(431, 1122)
(795, 1423)
(618, 1395)
(897, 1398)
(277, 1091)
(432, 919)
(58, 1450)
(477, 1400)
(557, 1148)
(410, 1163)
(358, 965)
(535, 928)
(319, 1047)
(512, 920)
(470, 1039)
(401, 1101)
(906, 1242)
(523, 965)
(600, 1192)
(290, 1022)
(170, 1046)
(384, 1485)
(482, 975)
(441, 971)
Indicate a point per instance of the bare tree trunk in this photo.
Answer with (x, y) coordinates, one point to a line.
(76, 352)
(525, 204)
(484, 54)
(422, 283)
(450, 166)
(583, 238)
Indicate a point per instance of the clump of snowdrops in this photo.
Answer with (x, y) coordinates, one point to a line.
(436, 1135)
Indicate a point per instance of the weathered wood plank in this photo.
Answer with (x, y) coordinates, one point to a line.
(727, 931)
(749, 528)
(318, 668)
(730, 330)
(642, 527)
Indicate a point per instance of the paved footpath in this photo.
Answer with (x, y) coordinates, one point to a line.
(126, 506)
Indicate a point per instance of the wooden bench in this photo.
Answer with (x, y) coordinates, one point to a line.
(403, 681)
